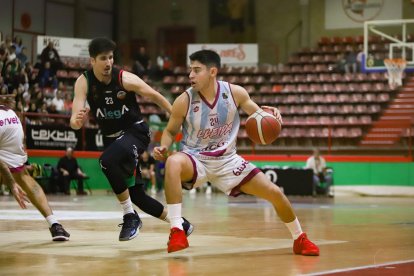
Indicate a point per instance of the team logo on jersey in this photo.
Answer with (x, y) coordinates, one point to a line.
(121, 95)
(196, 108)
(225, 96)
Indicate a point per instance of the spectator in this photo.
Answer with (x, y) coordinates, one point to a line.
(12, 54)
(22, 56)
(164, 65)
(351, 62)
(147, 167)
(69, 169)
(47, 76)
(58, 101)
(18, 44)
(142, 63)
(67, 105)
(322, 176)
(340, 64)
(51, 55)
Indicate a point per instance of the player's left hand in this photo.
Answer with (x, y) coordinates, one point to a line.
(276, 112)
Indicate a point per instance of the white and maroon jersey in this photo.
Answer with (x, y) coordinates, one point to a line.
(11, 138)
(210, 130)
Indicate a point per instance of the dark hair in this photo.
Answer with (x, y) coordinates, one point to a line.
(100, 45)
(207, 57)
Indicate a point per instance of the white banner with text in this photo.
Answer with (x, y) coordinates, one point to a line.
(231, 54)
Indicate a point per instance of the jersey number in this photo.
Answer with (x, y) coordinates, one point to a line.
(109, 100)
(214, 121)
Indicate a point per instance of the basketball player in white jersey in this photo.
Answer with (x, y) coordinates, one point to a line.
(13, 155)
(208, 115)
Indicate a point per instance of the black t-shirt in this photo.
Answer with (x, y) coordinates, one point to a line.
(69, 164)
(113, 108)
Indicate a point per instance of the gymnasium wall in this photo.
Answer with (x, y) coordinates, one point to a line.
(345, 173)
(277, 22)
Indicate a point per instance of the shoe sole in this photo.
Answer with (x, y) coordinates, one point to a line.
(132, 237)
(190, 230)
(177, 248)
(60, 238)
(310, 253)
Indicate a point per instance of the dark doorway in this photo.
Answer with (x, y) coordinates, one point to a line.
(173, 41)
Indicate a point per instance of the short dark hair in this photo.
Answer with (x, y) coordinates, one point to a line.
(100, 45)
(207, 57)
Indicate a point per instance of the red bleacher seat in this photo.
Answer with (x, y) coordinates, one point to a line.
(356, 98)
(182, 80)
(168, 80)
(250, 89)
(177, 89)
(265, 89)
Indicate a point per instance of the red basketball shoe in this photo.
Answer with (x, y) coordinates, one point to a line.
(178, 240)
(303, 246)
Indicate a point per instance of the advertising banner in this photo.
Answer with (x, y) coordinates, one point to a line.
(231, 54)
(66, 47)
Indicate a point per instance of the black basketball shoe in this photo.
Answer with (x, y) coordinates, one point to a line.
(188, 227)
(130, 227)
(59, 233)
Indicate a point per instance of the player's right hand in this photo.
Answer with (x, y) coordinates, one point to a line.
(81, 118)
(160, 153)
(19, 195)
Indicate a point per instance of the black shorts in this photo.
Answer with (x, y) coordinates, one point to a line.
(128, 147)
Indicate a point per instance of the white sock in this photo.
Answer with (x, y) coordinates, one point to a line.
(51, 220)
(294, 228)
(167, 219)
(174, 214)
(127, 206)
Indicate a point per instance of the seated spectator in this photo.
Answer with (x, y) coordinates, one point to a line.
(322, 176)
(51, 55)
(340, 64)
(69, 169)
(351, 62)
(147, 166)
(47, 77)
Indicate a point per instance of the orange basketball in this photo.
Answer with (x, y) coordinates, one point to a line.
(262, 127)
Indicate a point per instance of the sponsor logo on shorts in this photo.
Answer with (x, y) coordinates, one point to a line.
(238, 171)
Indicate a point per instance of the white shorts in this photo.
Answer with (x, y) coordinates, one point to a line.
(11, 141)
(227, 173)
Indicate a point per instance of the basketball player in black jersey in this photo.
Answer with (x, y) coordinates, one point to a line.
(110, 95)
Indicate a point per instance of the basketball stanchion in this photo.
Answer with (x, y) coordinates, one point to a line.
(395, 68)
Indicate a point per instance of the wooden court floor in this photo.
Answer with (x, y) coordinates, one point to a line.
(240, 236)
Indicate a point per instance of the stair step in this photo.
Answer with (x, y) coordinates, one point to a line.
(377, 143)
(402, 106)
(386, 130)
(374, 136)
(403, 101)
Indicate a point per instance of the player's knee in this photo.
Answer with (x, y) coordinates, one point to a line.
(174, 163)
(107, 162)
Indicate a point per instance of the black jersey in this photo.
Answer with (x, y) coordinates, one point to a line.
(113, 108)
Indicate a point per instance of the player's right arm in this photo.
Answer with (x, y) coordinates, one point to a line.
(79, 111)
(8, 179)
(179, 111)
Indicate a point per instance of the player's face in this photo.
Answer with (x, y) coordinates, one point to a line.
(103, 62)
(200, 75)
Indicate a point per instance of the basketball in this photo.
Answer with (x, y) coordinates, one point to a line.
(262, 127)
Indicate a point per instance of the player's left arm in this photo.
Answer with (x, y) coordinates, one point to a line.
(244, 101)
(132, 82)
